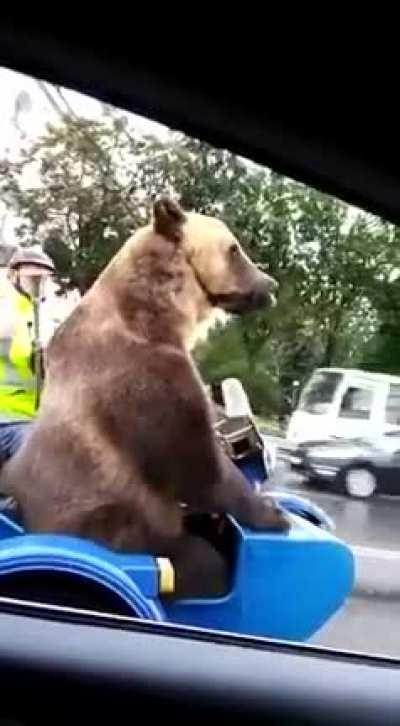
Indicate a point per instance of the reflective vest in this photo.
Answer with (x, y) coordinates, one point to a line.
(17, 382)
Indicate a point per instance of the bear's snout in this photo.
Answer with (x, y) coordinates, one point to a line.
(260, 293)
(271, 283)
(273, 287)
(263, 293)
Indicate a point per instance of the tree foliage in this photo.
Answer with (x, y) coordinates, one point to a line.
(84, 186)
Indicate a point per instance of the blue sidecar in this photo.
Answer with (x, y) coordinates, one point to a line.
(282, 586)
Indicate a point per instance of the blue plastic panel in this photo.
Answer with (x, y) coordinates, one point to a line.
(286, 585)
(134, 578)
(8, 527)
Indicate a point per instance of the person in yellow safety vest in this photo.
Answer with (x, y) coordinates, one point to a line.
(17, 368)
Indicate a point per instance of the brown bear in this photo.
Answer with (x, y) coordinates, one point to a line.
(124, 433)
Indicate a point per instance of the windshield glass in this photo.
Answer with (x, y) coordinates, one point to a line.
(319, 392)
(116, 371)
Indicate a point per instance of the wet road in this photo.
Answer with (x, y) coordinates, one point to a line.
(369, 624)
(370, 523)
(364, 625)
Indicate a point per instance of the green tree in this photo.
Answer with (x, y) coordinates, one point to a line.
(77, 204)
(338, 250)
(82, 187)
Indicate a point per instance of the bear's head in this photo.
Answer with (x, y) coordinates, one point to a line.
(227, 277)
(173, 276)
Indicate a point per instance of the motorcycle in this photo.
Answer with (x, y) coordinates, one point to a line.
(239, 435)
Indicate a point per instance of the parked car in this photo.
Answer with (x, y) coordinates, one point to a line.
(359, 468)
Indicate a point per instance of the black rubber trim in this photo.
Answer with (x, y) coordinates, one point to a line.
(121, 622)
(62, 670)
(348, 149)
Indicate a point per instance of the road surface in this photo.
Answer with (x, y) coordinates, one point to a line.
(369, 622)
(364, 625)
(372, 523)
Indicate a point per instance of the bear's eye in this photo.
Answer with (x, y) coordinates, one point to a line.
(234, 249)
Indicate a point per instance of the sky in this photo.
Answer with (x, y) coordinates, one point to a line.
(33, 119)
(38, 113)
(31, 122)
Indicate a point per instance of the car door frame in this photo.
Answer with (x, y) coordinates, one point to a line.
(65, 662)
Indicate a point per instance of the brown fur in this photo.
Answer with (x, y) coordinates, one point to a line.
(124, 433)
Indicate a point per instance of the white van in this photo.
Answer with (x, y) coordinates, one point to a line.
(345, 403)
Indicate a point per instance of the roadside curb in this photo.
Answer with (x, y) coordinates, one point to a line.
(377, 572)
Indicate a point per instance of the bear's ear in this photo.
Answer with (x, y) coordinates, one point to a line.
(168, 218)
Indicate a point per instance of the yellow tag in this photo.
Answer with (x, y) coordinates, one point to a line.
(166, 575)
